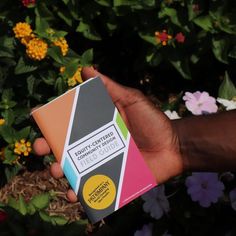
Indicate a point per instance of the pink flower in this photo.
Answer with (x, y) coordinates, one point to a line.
(180, 38)
(204, 188)
(200, 103)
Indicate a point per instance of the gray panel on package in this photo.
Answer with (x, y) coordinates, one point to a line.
(112, 169)
(91, 113)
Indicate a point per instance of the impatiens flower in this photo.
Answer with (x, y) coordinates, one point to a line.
(200, 102)
(156, 202)
(62, 43)
(172, 115)
(162, 37)
(145, 231)
(22, 29)
(232, 197)
(229, 104)
(204, 188)
(180, 38)
(37, 49)
(22, 147)
(2, 121)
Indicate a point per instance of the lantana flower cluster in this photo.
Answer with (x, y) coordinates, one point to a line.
(75, 79)
(163, 37)
(36, 48)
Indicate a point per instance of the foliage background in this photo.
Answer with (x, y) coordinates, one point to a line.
(118, 36)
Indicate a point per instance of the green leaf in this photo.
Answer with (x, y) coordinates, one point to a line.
(71, 68)
(154, 58)
(6, 47)
(30, 208)
(182, 66)
(87, 58)
(9, 116)
(12, 202)
(22, 206)
(31, 84)
(56, 54)
(60, 86)
(88, 31)
(41, 26)
(23, 133)
(23, 67)
(105, 3)
(7, 133)
(66, 1)
(58, 220)
(227, 90)
(220, 47)
(172, 14)
(66, 17)
(149, 38)
(12, 171)
(41, 201)
(7, 94)
(205, 22)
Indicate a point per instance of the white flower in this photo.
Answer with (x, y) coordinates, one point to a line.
(156, 202)
(172, 115)
(229, 104)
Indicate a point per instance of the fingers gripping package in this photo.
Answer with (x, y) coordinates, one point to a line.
(95, 149)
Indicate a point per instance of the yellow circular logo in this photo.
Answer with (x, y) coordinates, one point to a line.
(99, 192)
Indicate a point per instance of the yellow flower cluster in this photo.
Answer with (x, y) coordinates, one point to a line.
(36, 49)
(76, 78)
(22, 29)
(2, 121)
(22, 147)
(62, 43)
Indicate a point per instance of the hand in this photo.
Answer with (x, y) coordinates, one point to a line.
(150, 128)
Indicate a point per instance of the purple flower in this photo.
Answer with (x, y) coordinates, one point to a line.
(145, 231)
(232, 197)
(199, 103)
(204, 188)
(156, 202)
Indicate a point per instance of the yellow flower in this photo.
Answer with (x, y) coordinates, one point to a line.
(25, 40)
(77, 78)
(36, 49)
(22, 147)
(62, 69)
(71, 82)
(2, 122)
(62, 43)
(22, 29)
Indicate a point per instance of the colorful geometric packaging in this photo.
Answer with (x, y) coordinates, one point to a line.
(95, 149)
